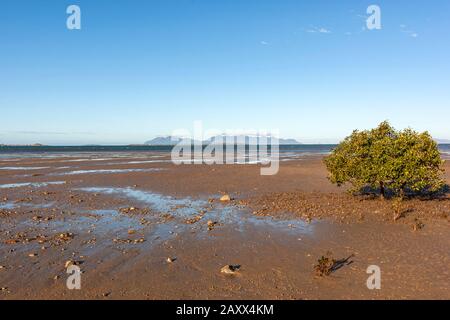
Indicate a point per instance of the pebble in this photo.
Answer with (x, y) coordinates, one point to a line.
(225, 198)
(230, 269)
(70, 263)
(211, 224)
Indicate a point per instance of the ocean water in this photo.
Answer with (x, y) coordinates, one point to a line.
(313, 148)
(125, 151)
(445, 149)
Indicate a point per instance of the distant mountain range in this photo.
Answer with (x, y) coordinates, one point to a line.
(163, 141)
(171, 141)
(22, 145)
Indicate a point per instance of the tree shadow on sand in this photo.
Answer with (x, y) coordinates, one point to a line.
(441, 194)
(424, 195)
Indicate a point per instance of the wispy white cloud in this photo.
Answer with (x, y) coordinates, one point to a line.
(361, 21)
(264, 43)
(405, 30)
(318, 30)
(323, 30)
(45, 132)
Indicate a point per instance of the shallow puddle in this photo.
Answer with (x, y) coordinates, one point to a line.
(14, 205)
(178, 207)
(23, 168)
(104, 171)
(31, 184)
(186, 208)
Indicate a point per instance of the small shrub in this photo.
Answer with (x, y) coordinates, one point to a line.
(325, 265)
(384, 159)
(397, 206)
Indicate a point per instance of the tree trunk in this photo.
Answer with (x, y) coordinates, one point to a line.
(382, 190)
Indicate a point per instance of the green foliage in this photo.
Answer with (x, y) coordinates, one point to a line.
(386, 159)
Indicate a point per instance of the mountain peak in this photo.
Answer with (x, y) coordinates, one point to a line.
(239, 139)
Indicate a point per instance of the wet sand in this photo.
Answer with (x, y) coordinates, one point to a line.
(120, 218)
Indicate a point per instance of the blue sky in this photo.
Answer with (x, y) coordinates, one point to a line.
(138, 69)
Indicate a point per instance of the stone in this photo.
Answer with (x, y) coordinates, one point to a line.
(230, 269)
(170, 260)
(72, 263)
(225, 198)
(211, 224)
(68, 263)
